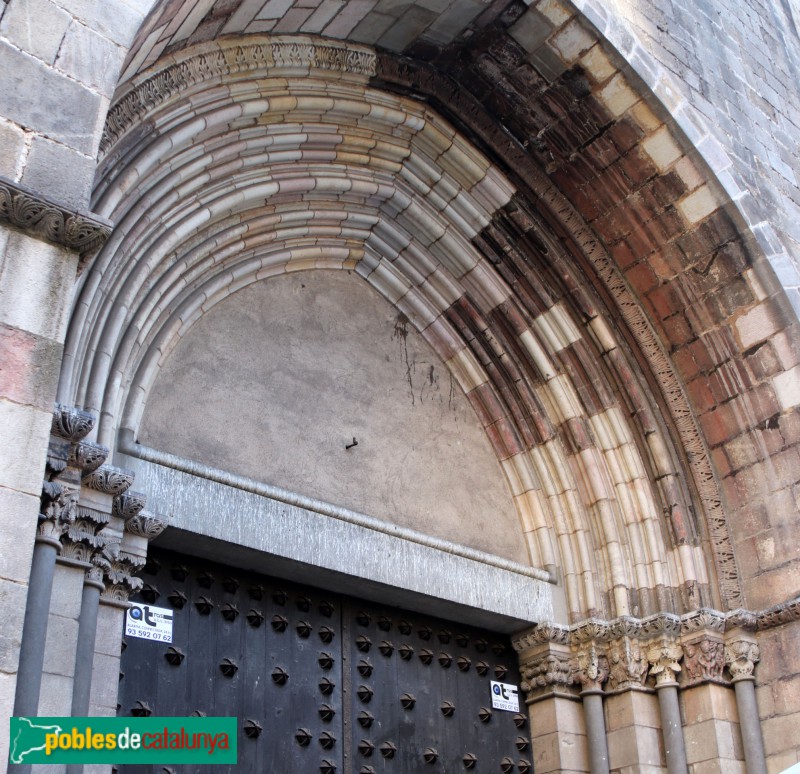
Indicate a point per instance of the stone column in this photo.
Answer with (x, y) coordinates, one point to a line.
(741, 655)
(130, 531)
(58, 512)
(664, 666)
(97, 497)
(591, 671)
(78, 542)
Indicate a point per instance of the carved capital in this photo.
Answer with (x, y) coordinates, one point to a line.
(58, 509)
(548, 671)
(146, 525)
(44, 219)
(109, 480)
(664, 657)
(119, 572)
(87, 456)
(71, 424)
(591, 669)
(703, 661)
(741, 656)
(129, 504)
(627, 665)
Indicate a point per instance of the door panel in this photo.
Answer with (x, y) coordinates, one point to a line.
(318, 681)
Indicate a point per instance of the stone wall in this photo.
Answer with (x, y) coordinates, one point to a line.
(68, 55)
(727, 72)
(277, 380)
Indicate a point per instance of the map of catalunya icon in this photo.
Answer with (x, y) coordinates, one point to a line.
(30, 738)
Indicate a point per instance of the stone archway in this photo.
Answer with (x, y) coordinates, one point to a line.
(615, 319)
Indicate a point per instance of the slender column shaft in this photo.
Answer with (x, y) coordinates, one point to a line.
(34, 628)
(596, 732)
(672, 729)
(84, 657)
(755, 761)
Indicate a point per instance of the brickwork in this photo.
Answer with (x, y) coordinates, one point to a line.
(736, 71)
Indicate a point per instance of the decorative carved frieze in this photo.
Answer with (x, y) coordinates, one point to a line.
(223, 58)
(786, 612)
(703, 662)
(703, 620)
(542, 633)
(664, 657)
(741, 619)
(109, 480)
(740, 657)
(44, 219)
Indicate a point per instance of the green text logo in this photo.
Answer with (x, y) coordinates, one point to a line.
(123, 740)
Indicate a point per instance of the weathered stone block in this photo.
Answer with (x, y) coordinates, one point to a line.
(531, 30)
(12, 148)
(109, 630)
(707, 702)
(780, 733)
(632, 708)
(635, 746)
(787, 388)
(56, 696)
(559, 752)
(105, 680)
(62, 635)
(8, 685)
(710, 740)
(557, 715)
(25, 432)
(35, 284)
(90, 58)
(36, 26)
(30, 367)
(114, 19)
(759, 324)
(67, 591)
(18, 519)
(59, 173)
(64, 110)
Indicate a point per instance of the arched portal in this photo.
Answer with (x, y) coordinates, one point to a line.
(553, 223)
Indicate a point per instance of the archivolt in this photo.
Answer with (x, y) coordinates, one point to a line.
(295, 163)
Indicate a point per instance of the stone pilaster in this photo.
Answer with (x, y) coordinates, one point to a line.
(712, 730)
(547, 665)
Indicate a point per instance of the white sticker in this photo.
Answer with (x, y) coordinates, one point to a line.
(505, 696)
(148, 622)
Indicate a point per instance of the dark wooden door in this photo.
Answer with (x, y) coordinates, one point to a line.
(320, 682)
